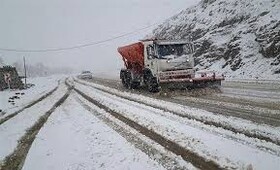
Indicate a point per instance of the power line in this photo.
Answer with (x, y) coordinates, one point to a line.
(75, 46)
(82, 45)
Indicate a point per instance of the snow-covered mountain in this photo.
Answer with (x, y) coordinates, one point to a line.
(240, 38)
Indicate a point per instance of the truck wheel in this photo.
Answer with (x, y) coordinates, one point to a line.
(123, 75)
(135, 85)
(129, 85)
(123, 82)
(153, 85)
(128, 81)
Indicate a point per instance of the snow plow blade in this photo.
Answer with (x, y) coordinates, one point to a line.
(202, 80)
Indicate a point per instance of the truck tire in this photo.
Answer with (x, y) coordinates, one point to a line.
(128, 80)
(135, 85)
(132, 84)
(153, 84)
(150, 81)
(123, 78)
(123, 81)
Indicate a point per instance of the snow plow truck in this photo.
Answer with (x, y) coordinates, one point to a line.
(162, 63)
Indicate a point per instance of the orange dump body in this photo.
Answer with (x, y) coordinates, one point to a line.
(133, 56)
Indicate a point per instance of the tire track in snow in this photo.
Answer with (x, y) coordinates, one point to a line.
(167, 161)
(250, 134)
(16, 159)
(275, 96)
(3, 120)
(187, 155)
(240, 101)
(269, 119)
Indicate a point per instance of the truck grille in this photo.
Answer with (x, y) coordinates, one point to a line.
(169, 76)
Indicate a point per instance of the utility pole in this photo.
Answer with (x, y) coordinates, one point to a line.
(24, 72)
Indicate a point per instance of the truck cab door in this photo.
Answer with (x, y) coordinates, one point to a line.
(152, 60)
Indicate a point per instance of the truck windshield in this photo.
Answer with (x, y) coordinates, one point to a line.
(172, 51)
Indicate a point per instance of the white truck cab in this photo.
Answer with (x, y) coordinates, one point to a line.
(167, 58)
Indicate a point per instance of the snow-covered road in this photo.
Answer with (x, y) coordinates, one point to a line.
(231, 123)
(75, 139)
(228, 150)
(98, 127)
(255, 106)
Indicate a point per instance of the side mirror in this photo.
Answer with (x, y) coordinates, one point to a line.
(151, 52)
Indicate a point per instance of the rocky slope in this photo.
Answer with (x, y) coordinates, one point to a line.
(240, 38)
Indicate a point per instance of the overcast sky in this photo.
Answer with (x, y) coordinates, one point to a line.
(45, 24)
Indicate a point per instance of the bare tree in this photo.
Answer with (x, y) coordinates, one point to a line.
(19, 67)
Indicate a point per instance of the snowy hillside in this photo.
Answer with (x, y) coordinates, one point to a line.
(240, 38)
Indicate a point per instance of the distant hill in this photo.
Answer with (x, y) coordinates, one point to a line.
(240, 38)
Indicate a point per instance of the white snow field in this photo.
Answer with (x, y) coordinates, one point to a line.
(42, 86)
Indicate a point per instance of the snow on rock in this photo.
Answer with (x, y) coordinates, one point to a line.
(75, 139)
(240, 38)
